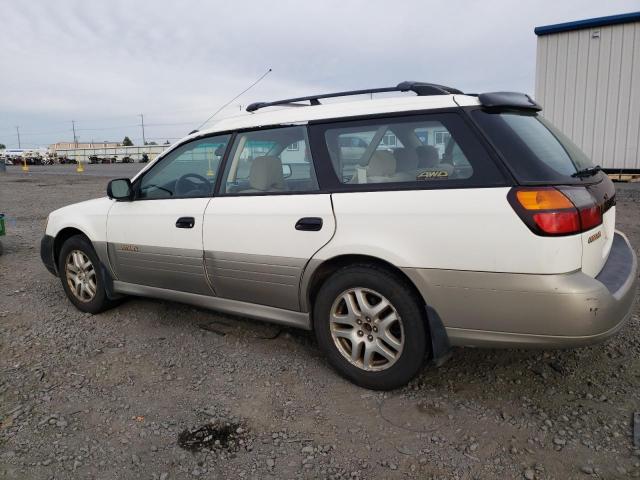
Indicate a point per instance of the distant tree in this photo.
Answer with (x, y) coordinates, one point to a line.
(2, 146)
(127, 142)
(167, 142)
(151, 143)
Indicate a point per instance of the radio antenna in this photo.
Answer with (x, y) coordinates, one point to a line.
(230, 101)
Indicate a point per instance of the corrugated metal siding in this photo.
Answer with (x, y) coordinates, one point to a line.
(590, 88)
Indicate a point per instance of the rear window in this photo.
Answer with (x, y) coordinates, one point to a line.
(535, 149)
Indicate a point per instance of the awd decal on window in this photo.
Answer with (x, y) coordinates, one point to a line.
(429, 174)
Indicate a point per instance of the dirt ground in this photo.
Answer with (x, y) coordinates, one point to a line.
(110, 396)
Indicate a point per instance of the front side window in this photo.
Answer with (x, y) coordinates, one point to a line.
(189, 171)
(410, 150)
(273, 161)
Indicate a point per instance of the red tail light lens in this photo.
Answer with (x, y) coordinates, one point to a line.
(558, 223)
(590, 217)
(556, 211)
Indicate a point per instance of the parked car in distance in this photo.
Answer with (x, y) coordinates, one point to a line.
(451, 219)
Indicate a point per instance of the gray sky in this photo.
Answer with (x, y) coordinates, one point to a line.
(102, 63)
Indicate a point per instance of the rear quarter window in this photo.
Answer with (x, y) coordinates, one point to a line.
(432, 150)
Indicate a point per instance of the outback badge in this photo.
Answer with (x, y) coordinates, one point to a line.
(595, 236)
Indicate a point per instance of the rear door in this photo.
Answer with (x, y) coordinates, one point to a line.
(268, 219)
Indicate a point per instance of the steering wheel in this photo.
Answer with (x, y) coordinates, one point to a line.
(187, 187)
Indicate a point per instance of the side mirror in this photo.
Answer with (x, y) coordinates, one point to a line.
(286, 170)
(120, 189)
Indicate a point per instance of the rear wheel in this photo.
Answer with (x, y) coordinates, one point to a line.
(82, 279)
(371, 326)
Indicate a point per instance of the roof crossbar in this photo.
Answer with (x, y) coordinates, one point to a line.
(419, 88)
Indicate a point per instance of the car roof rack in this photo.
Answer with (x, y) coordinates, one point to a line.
(419, 88)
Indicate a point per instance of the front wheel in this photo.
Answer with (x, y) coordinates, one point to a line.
(82, 279)
(371, 326)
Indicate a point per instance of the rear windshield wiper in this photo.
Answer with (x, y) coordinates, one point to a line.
(587, 172)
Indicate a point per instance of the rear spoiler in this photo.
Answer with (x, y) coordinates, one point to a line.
(516, 100)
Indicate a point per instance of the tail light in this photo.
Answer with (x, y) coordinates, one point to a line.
(551, 211)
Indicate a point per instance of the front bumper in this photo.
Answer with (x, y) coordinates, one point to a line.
(486, 309)
(46, 254)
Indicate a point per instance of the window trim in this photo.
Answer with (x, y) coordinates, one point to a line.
(328, 178)
(227, 158)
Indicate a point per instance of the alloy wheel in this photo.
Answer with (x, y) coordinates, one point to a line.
(367, 329)
(81, 276)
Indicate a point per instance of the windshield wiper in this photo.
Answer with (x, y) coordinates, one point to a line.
(587, 172)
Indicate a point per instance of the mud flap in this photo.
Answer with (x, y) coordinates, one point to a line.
(440, 346)
(108, 283)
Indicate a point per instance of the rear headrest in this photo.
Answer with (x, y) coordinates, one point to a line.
(406, 160)
(382, 164)
(266, 174)
(428, 156)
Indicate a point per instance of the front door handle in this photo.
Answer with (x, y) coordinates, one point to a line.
(309, 224)
(185, 222)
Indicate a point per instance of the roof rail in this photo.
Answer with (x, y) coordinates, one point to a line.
(419, 88)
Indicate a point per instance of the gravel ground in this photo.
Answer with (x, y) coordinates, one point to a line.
(122, 394)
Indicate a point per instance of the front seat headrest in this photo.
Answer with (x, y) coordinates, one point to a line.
(382, 164)
(266, 175)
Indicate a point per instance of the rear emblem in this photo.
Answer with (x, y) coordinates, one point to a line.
(595, 236)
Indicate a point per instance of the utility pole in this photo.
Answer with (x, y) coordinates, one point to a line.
(75, 139)
(144, 141)
(18, 130)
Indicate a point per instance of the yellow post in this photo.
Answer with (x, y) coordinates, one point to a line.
(80, 167)
(25, 167)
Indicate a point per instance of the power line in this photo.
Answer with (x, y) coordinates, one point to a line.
(230, 101)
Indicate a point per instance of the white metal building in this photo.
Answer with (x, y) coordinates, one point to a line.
(588, 83)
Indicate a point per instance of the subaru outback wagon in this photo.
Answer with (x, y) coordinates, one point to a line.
(394, 228)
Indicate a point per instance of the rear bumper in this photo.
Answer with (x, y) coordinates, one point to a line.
(486, 309)
(46, 254)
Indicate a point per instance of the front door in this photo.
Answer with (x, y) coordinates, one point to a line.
(268, 219)
(156, 239)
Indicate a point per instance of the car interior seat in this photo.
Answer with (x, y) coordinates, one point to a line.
(265, 175)
(429, 160)
(382, 167)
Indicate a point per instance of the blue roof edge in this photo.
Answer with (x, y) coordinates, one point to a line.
(588, 23)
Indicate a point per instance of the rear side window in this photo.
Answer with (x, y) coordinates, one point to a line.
(271, 161)
(535, 149)
(416, 151)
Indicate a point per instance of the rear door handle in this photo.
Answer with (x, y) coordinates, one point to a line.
(309, 224)
(185, 222)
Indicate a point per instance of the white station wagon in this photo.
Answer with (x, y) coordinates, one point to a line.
(394, 228)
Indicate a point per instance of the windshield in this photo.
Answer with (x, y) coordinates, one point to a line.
(534, 149)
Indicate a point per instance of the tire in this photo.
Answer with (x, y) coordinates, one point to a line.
(405, 339)
(79, 248)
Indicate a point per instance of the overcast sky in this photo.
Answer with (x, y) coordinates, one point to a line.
(102, 63)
